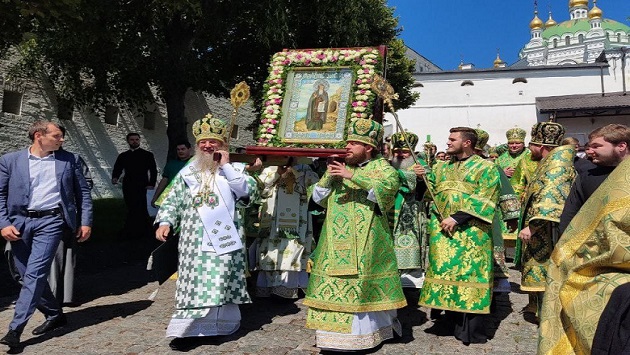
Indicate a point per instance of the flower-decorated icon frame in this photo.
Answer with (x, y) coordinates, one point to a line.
(294, 79)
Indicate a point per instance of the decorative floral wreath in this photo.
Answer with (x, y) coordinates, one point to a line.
(363, 61)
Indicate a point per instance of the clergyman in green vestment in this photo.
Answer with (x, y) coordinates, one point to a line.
(507, 209)
(460, 272)
(409, 216)
(544, 200)
(354, 288)
(592, 261)
(517, 165)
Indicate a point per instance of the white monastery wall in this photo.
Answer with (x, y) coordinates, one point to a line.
(496, 104)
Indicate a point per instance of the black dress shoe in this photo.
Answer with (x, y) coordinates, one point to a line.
(12, 339)
(441, 328)
(51, 324)
(183, 344)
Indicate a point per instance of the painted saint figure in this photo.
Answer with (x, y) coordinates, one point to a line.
(317, 106)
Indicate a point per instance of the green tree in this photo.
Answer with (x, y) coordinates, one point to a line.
(97, 52)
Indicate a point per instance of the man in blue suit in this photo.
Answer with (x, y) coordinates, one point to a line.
(42, 192)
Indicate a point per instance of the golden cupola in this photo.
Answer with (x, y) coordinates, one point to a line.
(498, 62)
(536, 23)
(574, 3)
(595, 12)
(550, 22)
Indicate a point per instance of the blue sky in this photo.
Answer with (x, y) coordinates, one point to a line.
(445, 31)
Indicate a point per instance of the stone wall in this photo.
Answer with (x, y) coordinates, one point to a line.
(99, 143)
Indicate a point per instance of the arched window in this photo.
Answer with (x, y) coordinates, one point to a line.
(519, 80)
(619, 37)
(555, 43)
(567, 40)
(467, 83)
(580, 38)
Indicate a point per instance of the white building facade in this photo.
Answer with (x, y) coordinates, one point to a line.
(589, 76)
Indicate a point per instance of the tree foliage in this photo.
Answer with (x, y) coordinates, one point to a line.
(97, 52)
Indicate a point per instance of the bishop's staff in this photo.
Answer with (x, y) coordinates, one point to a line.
(238, 96)
(385, 91)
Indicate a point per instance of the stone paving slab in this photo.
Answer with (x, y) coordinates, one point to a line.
(125, 321)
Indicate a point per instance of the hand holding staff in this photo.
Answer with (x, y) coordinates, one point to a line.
(385, 91)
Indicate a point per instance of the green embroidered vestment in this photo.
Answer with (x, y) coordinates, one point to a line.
(590, 260)
(409, 221)
(354, 264)
(460, 272)
(544, 200)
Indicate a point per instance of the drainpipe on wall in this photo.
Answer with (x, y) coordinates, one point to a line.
(601, 60)
(601, 77)
(623, 69)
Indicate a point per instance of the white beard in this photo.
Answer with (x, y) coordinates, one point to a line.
(205, 161)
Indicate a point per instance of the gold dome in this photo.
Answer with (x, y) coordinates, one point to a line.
(536, 23)
(574, 3)
(550, 22)
(595, 12)
(497, 62)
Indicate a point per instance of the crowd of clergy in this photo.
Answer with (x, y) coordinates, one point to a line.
(350, 233)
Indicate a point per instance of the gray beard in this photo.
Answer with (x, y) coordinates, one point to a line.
(205, 161)
(402, 164)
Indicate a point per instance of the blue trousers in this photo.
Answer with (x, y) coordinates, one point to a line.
(33, 255)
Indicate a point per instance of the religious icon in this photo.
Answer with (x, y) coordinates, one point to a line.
(316, 104)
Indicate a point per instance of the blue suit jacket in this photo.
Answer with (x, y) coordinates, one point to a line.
(76, 200)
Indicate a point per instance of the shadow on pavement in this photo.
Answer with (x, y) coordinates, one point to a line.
(5, 303)
(516, 288)
(119, 266)
(102, 269)
(500, 309)
(254, 316)
(87, 317)
(261, 311)
(410, 316)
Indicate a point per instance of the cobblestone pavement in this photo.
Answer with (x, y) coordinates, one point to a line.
(117, 317)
